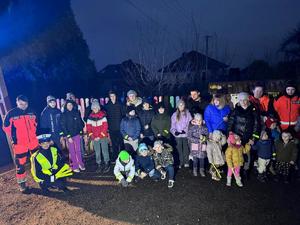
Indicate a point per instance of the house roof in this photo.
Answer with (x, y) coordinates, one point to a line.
(193, 61)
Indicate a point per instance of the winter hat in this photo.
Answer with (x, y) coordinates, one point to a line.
(160, 105)
(243, 96)
(198, 116)
(22, 98)
(69, 95)
(123, 155)
(147, 100)
(231, 138)
(157, 143)
(180, 102)
(50, 98)
(290, 83)
(95, 104)
(130, 108)
(131, 92)
(270, 121)
(142, 147)
(43, 135)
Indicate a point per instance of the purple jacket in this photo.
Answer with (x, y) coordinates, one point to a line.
(181, 125)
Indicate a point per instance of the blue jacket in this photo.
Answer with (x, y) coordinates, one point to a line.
(50, 120)
(130, 126)
(214, 118)
(145, 164)
(264, 149)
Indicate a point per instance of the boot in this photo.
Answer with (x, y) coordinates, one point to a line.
(260, 177)
(23, 188)
(215, 177)
(202, 172)
(228, 183)
(238, 181)
(106, 168)
(195, 173)
(246, 174)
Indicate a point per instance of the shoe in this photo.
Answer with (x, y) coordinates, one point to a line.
(228, 183)
(171, 183)
(82, 168)
(260, 178)
(99, 169)
(23, 188)
(106, 168)
(202, 173)
(238, 181)
(179, 167)
(186, 165)
(163, 175)
(195, 174)
(214, 177)
(76, 170)
(66, 190)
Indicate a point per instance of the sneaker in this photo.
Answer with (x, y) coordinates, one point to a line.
(238, 182)
(82, 168)
(214, 177)
(186, 165)
(23, 188)
(163, 175)
(66, 190)
(228, 183)
(171, 183)
(106, 168)
(76, 170)
(195, 174)
(99, 169)
(202, 173)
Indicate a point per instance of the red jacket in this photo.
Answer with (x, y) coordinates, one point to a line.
(261, 104)
(20, 125)
(97, 125)
(288, 110)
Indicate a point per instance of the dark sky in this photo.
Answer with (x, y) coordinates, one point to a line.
(241, 30)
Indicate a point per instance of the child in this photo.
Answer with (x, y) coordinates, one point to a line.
(265, 149)
(48, 167)
(164, 161)
(97, 129)
(144, 164)
(286, 155)
(124, 169)
(234, 157)
(271, 125)
(197, 135)
(214, 153)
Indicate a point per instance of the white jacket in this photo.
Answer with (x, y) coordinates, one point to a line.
(128, 169)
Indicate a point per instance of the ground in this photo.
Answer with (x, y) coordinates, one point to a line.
(98, 199)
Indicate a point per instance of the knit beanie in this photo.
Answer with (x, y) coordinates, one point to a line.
(198, 116)
(142, 147)
(95, 105)
(157, 143)
(123, 155)
(180, 102)
(131, 92)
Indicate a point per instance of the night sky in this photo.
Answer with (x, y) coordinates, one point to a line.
(242, 30)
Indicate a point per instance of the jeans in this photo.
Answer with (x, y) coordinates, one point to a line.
(201, 162)
(183, 150)
(170, 171)
(101, 146)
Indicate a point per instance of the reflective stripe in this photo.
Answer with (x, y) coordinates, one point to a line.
(33, 171)
(44, 162)
(288, 123)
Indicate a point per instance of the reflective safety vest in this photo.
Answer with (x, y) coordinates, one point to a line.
(47, 167)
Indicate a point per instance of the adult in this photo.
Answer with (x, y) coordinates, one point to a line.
(72, 126)
(195, 103)
(134, 100)
(244, 122)
(115, 111)
(146, 115)
(50, 120)
(179, 128)
(97, 129)
(20, 125)
(216, 114)
(287, 106)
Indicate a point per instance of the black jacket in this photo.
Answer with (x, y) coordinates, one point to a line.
(115, 113)
(71, 122)
(196, 106)
(50, 120)
(244, 122)
(146, 117)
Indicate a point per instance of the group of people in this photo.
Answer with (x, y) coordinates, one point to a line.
(146, 139)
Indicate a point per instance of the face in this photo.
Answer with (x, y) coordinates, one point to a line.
(131, 113)
(126, 161)
(199, 121)
(132, 97)
(244, 103)
(290, 90)
(181, 107)
(195, 95)
(52, 104)
(286, 137)
(45, 145)
(217, 102)
(144, 153)
(70, 106)
(237, 139)
(95, 110)
(113, 98)
(258, 92)
(22, 105)
(161, 110)
(146, 105)
(158, 149)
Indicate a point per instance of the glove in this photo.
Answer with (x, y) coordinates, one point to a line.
(182, 132)
(176, 133)
(124, 183)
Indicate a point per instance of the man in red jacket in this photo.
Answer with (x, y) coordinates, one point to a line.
(287, 106)
(20, 125)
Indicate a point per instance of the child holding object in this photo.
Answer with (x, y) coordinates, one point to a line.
(124, 169)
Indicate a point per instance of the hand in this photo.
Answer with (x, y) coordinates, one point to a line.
(124, 183)
(158, 135)
(251, 142)
(225, 118)
(176, 133)
(130, 139)
(183, 132)
(142, 136)
(292, 162)
(70, 140)
(142, 175)
(146, 127)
